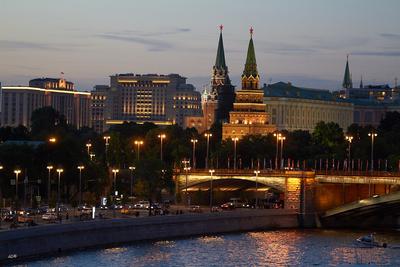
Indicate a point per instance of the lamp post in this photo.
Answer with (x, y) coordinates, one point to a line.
(372, 135)
(17, 172)
(132, 168)
(187, 169)
(349, 139)
(49, 168)
(256, 173)
(59, 171)
(235, 139)
(282, 139)
(278, 136)
(207, 135)
(80, 168)
(162, 137)
(115, 171)
(88, 146)
(52, 140)
(194, 141)
(211, 188)
(107, 143)
(138, 143)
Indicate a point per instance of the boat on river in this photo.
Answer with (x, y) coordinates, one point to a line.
(369, 241)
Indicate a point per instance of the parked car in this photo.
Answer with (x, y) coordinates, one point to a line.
(24, 219)
(228, 206)
(195, 209)
(50, 216)
(142, 205)
(127, 209)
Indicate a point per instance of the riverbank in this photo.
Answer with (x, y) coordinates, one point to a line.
(52, 239)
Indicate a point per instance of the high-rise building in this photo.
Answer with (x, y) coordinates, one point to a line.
(249, 115)
(99, 96)
(221, 85)
(160, 99)
(18, 102)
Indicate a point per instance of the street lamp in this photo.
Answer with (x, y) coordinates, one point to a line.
(138, 143)
(282, 139)
(211, 188)
(88, 146)
(235, 139)
(372, 135)
(52, 139)
(107, 143)
(187, 169)
(278, 136)
(349, 139)
(132, 168)
(194, 141)
(207, 135)
(162, 137)
(92, 155)
(17, 172)
(80, 168)
(59, 171)
(49, 168)
(115, 171)
(257, 172)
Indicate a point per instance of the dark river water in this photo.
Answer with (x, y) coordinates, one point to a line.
(269, 248)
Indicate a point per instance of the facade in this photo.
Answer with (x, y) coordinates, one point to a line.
(296, 108)
(99, 114)
(209, 106)
(18, 102)
(249, 114)
(160, 99)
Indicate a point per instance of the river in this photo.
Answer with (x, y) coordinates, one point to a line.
(267, 248)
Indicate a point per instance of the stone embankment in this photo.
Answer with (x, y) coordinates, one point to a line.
(48, 240)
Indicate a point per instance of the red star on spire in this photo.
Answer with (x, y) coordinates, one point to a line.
(221, 27)
(251, 31)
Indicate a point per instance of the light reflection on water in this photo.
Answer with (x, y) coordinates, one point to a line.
(269, 248)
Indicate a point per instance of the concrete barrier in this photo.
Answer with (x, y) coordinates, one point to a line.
(50, 239)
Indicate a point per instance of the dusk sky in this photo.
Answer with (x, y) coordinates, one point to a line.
(304, 42)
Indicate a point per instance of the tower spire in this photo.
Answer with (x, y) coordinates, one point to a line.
(347, 83)
(220, 59)
(361, 83)
(250, 77)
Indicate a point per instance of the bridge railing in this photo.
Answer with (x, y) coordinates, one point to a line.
(359, 173)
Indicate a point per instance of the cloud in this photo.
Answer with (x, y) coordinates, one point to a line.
(139, 37)
(152, 44)
(390, 36)
(377, 53)
(14, 45)
(18, 45)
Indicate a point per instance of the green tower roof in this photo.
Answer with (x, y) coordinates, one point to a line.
(250, 68)
(220, 60)
(347, 83)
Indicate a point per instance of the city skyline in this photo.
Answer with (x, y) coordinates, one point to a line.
(291, 45)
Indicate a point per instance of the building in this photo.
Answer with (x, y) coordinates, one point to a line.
(221, 85)
(298, 108)
(370, 102)
(160, 99)
(18, 102)
(209, 106)
(99, 115)
(249, 114)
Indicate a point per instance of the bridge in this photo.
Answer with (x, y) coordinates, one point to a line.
(304, 191)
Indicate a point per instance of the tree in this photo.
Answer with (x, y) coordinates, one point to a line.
(47, 121)
(328, 140)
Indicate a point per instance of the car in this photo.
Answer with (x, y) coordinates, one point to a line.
(142, 205)
(24, 219)
(84, 207)
(103, 207)
(50, 216)
(228, 206)
(127, 209)
(115, 207)
(195, 209)
(9, 217)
